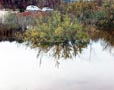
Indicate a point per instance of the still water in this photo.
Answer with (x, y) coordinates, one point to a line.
(90, 70)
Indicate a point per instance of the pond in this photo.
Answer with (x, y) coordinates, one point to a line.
(20, 69)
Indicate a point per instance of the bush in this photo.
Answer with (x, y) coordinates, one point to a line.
(57, 30)
(105, 19)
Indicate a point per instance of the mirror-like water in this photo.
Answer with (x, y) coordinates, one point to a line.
(91, 70)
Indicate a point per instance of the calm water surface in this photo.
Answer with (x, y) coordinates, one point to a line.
(91, 70)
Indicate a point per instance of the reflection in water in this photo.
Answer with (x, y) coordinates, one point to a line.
(106, 36)
(19, 70)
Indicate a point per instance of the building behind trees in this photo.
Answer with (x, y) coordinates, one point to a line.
(21, 4)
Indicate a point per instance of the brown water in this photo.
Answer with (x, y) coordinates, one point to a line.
(91, 70)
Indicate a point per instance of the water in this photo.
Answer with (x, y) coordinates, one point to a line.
(91, 70)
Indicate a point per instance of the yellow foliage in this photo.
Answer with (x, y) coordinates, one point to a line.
(42, 34)
(34, 32)
(58, 31)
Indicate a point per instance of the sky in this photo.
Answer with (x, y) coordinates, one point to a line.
(20, 69)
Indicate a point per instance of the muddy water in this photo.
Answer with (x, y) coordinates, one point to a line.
(90, 70)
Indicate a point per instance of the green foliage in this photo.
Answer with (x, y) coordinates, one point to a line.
(84, 9)
(105, 19)
(100, 14)
(57, 30)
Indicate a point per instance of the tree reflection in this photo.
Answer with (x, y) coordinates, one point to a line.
(65, 50)
(106, 36)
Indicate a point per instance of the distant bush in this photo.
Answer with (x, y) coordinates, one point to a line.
(105, 17)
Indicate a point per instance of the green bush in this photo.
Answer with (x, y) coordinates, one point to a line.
(105, 19)
(57, 30)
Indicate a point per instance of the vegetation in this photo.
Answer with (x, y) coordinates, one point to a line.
(105, 19)
(68, 29)
(60, 31)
